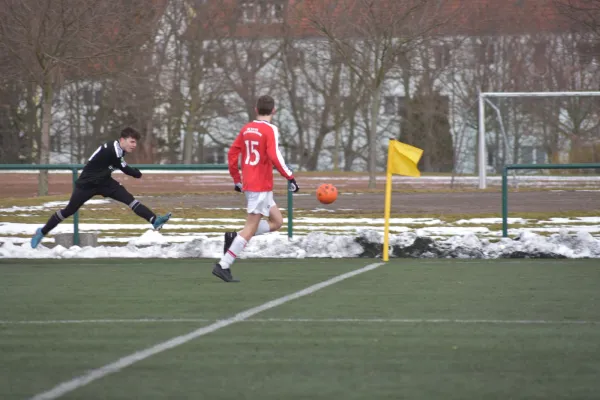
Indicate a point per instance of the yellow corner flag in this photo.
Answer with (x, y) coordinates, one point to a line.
(402, 160)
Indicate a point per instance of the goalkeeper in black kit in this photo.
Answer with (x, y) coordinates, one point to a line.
(96, 180)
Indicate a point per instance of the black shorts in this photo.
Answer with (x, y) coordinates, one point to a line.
(109, 188)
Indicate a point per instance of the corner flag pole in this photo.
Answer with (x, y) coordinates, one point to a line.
(402, 160)
(388, 205)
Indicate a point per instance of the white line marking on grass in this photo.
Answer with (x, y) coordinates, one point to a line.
(312, 320)
(126, 361)
(427, 321)
(104, 321)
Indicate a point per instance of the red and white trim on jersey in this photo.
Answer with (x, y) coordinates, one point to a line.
(288, 172)
(258, 145)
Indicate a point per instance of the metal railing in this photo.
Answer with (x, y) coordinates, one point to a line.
(74, 168)
(530, 166)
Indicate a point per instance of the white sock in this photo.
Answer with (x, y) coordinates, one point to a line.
(234, 251)
(263, 227)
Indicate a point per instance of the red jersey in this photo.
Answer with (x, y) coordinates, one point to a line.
(258, 144)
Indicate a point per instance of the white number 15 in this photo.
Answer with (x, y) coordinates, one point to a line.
(252, 152)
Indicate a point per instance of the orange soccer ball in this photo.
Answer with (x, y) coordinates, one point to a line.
(327, 193)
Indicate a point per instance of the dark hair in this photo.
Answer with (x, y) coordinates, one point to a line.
(265, 105)
(130, 133)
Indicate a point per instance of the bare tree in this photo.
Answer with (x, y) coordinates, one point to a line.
(51, 41)
(492, 63)
(246, 45)
(354, 103)
(584, 13)
(316, 94)
(194, 77)
(19, 120)
(370, 36)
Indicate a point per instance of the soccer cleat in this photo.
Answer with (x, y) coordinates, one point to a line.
(224, 274)
(159, 221)
(37, 238)
(229, 237)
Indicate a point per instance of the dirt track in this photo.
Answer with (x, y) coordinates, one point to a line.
(409, 203)
(195, 190)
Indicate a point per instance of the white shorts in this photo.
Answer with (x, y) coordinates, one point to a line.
(260, 202)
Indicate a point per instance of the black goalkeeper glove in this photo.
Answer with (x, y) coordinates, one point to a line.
(293, 186)
(238, 187)
(131, 171)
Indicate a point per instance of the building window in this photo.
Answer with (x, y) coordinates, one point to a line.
(213, 59)
(222, 108)
(539, 58)
(533, 155)
(394, 105)
(441, 55)
(88, 96)
(214, 155)
(527, 155)
(92, 97)
(262, 11)
(255, 58)
(292, 154)
(278, 12)
(299, 104)
(540, 155)
(249, 11)
(401, 103)
(486, 53)
(98, 97)
(347, 103)
(539, 50)
(389, 105)
(336, 57)
(587, 53)
(55, 145)
(295, 57)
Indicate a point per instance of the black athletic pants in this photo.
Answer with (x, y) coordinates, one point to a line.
(111, 188)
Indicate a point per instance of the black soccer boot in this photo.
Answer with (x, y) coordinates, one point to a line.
(229, 236)
(224, 274)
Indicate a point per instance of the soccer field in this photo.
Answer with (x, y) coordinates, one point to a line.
(415, 329)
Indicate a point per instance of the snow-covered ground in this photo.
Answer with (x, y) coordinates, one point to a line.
(182, 229)
(313, 237)
(366, 243)
(48, 206)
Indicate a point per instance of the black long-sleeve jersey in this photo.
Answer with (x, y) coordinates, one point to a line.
(102, 163)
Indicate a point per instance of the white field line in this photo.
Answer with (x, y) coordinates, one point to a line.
(428, 321)
(91, 376)
(311, 320)
(104, 321)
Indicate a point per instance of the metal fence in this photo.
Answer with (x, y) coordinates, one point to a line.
(529, 167)
(75, 168)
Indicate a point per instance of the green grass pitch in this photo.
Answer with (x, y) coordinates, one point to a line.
(410, 329)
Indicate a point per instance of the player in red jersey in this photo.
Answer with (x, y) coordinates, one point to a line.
(258, 145)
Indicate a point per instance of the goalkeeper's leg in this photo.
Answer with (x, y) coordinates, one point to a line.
(78, 198)
(117, 192)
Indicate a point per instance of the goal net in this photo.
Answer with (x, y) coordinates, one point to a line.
(537, 128)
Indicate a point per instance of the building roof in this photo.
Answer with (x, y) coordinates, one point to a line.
(488, 17)
(460, 17)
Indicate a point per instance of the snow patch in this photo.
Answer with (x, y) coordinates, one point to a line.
(367, 243)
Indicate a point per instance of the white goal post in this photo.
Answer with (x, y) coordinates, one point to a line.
(483, 96)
